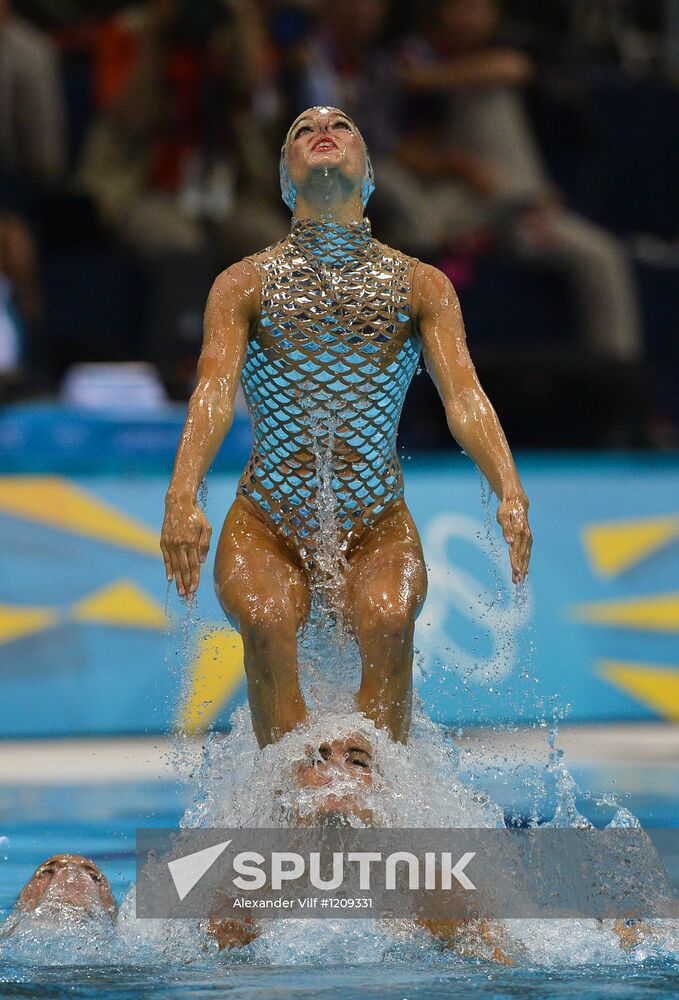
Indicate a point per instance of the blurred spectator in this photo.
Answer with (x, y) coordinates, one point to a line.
(21, 308)
(342, 62)
(18, 262)
(32, 160)
(177, 159)
(469, 163)
(32, 120)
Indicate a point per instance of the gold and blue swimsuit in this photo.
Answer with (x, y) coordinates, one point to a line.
(327, 368)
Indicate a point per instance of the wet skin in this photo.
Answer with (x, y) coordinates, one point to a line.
(69, 880)
(263, 587)
(343, 768)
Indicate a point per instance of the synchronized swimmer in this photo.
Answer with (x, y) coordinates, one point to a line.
(324, 330)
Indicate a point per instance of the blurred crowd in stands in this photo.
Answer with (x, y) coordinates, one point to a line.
(528, 149)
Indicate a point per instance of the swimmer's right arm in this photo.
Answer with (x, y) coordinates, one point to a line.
(232, 307)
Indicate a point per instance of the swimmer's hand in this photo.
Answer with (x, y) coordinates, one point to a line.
(233, 933)
(184, 542)
(477, 938)
(631, 933)
(512, 516)
(229, 931)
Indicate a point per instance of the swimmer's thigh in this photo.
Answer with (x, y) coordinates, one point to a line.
(387, 575)
(257, 581)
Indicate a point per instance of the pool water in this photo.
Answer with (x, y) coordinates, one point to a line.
(652, 980)
(100, 822)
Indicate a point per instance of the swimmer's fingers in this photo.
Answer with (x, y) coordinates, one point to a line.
(169, 572)
(519, 550)
(513, 519)
(174, 566)
(176, 569)
(194, 567)
(526, 547)
(184, 579)
(514, 560)
(177, 573)
(204, 543)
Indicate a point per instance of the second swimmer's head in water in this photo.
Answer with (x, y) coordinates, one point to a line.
(334, 780)
(67, 888)
(324, 141)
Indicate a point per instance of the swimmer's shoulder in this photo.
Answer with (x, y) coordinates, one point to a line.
(395, 256)
(266, 256)
(236, 291)
(432, 291)
(242, 282)
(245, 275)
(419, 272)
(426, 283)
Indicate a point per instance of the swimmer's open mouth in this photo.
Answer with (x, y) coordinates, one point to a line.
(323, 144)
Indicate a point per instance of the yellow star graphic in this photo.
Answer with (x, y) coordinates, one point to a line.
(657, 686)
(16, 622)
(615, 546)
(612, 548)
(57, 503)
(659, 613)
(217, 667)
(216, 673)
(122, 603)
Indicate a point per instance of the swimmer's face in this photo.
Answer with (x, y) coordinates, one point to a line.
(325, 138)
(343, 768)
(68, 879)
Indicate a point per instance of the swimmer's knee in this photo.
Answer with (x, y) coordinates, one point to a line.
(390, 616)
(266, 616)
(259, 596)
(247, 605)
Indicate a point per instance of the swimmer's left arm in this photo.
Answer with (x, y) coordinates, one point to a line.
(478, 938)
(471, 418)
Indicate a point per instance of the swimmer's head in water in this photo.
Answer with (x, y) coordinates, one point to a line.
(324, 139)
(69, 880)
(334, 779)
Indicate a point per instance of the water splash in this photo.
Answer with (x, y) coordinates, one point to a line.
(329, 661)
(56, 933)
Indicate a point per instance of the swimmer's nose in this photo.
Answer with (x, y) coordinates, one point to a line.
(335, 773)
(73, 884)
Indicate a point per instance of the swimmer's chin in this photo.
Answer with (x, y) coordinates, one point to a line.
(332, 812)
(52, 916)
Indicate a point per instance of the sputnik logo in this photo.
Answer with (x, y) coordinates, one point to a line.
(189, 870)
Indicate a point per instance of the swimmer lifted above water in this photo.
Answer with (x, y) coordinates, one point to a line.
(325, 330)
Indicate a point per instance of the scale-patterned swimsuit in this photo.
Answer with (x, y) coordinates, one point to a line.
(325, 376)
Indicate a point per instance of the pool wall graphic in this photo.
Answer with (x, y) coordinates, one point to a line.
(84, 648)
